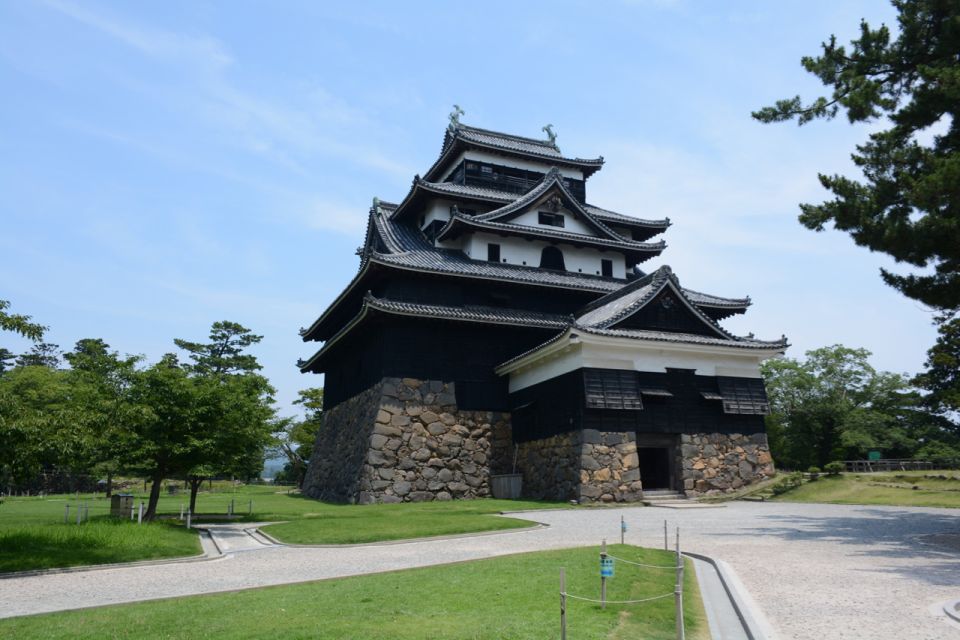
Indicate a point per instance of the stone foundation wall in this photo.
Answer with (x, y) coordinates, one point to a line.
(333, 473)
(609, 467)
(551, 467)
(717, 463)
(404, 440)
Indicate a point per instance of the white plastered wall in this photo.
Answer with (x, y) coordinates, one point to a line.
(527, 252)
(638, 356)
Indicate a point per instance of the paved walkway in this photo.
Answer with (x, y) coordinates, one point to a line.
(816, 571)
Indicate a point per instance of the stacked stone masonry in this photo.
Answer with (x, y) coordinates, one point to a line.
(404, 440)
(718, 463)
(417, 446)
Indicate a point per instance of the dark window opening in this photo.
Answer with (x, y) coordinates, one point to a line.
(606, 267)
(493, 252)
(433, 229)
(551, 219)
(552, 258)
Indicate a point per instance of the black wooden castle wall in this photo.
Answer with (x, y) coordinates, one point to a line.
(402, 347)
(560, 405)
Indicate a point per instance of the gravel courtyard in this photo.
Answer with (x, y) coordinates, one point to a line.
(816, 571)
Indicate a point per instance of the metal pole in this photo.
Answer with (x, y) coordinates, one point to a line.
(188, 518)
(665, 547)
(66, 513)
(678, 591)
(563, 605)
(623, 529)
(603, 580)
(140, 515)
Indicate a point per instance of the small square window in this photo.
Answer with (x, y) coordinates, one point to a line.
(493, 252)
(550, 219)
(606, 267)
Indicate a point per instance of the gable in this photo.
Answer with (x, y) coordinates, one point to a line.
(570, 220)
(667, 311)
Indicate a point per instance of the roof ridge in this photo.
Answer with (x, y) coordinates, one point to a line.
(512, 136)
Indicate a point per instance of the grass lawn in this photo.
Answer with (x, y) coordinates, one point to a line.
(344, 524)
(33, 534)
(933, 489)
(513, 597)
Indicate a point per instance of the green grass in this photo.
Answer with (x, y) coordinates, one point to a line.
(33, 534)
(345, 524)
(513, 597)
(934, 489)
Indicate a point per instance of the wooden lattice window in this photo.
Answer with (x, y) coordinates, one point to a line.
(611, 389)
(744, 396)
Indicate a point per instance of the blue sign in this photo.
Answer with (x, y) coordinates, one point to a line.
(606, 567)
(623, 526)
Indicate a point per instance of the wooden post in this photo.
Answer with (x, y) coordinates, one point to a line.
(665, 547)
(623, 529)
(140, 514)
(188, 518)
(66, 513)
(563, 605)
(603, 580)
(678, 591)
(250, 507)
(133, 512)
(181, 512)
(79, 513)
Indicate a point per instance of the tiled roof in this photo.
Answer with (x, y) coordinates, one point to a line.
(656, 336)
(503, 197)
(508, 141)
(652, 248)
(542, 150)
(691, 338)
(707, 300)
(605, 312)
(470, 313)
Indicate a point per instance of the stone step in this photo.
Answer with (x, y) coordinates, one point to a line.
(663, 496)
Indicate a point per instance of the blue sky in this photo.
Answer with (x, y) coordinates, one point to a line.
(164, 165)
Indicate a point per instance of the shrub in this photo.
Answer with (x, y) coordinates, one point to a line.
(787, 483)
(834, 468)
(814, 472)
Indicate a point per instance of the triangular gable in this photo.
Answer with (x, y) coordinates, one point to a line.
(551, 186)
(654, 302)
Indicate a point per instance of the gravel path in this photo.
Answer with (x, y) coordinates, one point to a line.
(816, 571)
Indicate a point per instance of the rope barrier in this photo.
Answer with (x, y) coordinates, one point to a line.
(640, 564)
(666, 595)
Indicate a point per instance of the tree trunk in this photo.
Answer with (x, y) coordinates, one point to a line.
(109, 484)
(154, 495)
(195, 482)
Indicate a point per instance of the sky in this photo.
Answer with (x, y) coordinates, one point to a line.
(165, 165)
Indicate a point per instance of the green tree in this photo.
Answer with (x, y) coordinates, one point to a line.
(297, 437)
(6, 359)
(42, 354)
(164, 435)
(239, 428)
(224, 353)
(21, 324)
(834, 405)
(101, 382)
(941, 380)
(908, 203)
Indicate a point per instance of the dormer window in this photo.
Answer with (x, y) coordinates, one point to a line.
(550, 219)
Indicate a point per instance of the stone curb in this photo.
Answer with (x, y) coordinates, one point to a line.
(952, 609)
(202, 557)
(752, 619)
(534, 527)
